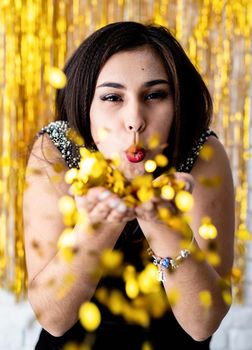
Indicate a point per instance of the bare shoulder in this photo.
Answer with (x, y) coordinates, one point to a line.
(45, 162)
(213, 175)
(218, 160)
(44, 151)
(214, 197)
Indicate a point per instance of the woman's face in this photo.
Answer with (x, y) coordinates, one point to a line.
(132, 104)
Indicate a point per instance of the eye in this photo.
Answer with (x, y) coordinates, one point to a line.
(156, 95)
(111, 98)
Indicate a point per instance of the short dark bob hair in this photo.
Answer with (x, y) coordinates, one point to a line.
(192, 100)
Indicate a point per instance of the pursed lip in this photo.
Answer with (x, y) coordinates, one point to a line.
(135, 154)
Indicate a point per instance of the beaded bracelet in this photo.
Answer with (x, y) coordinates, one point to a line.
(167, 262)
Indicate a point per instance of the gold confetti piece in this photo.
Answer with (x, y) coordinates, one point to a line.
(67, 254)
(66, 239)
(147, 279)
(205, 298)
(154, 141)
(115, 302)
(71, 175)
(227, 297)
(147, 346)
(167, 192)
(184, 201)
(206, 152)
(72, 346)
(129, 272)
(56, 78)
(157, 304)
(236, 274)
(145, 194)
(164, 214)
(131, 288)
(103, 133)
(111, 259)
(102, 295)
(173, 296)
(210, 181)
(243, 234)
(213, 258)
(67, 205)
(207, 230)
(75, 137)
(64, 289)
(150, 166)
(90, 316)
(58, 167)
(161, 160)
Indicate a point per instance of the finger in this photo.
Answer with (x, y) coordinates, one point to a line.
(99, 213)
(187, 179)
(92, 198)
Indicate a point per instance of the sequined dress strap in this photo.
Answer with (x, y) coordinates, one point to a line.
(187, 165)
(57, 131)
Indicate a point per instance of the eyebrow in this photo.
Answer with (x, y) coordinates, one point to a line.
(147, 84)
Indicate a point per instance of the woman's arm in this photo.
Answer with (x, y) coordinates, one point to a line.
(53, 297)
(192, 277)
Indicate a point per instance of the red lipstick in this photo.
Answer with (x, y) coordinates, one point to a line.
(135, 154)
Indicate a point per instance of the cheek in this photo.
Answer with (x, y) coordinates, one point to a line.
(163, 128)
(95, 121)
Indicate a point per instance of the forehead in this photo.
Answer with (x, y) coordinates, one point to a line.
(141, 63)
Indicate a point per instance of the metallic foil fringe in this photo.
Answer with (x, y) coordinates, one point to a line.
(36, 35)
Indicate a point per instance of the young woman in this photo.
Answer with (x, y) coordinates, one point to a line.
(135, 81)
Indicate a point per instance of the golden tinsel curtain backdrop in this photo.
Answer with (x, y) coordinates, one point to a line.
(37, 36)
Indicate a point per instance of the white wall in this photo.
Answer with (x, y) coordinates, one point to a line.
(18, 328)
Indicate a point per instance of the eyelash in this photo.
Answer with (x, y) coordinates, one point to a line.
(111, 98)
(159, 95)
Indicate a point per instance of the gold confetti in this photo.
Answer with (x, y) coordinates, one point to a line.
(150, 166)
(132, 288)
(227, 297)
(111, 259)
(167, 192)
(90, 316)
(173, 296)
(154, 141)
(207, 230)
(161, 160)
(205, 298)
(57, 78)
(206, 152)
(37, 95)
(184, 201)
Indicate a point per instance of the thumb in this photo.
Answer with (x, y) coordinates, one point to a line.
(187, 179)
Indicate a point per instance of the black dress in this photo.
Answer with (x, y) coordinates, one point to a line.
(114, 332)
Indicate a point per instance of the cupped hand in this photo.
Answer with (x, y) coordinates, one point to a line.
(102, 205)
(149, 211)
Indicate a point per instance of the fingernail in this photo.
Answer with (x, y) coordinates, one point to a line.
(113, 202)
(103, 195)
(121, 208)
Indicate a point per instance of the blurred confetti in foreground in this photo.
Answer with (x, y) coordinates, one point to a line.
(36, 38)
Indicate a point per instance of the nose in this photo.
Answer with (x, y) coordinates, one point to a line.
(134, 120)
(136, 127)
